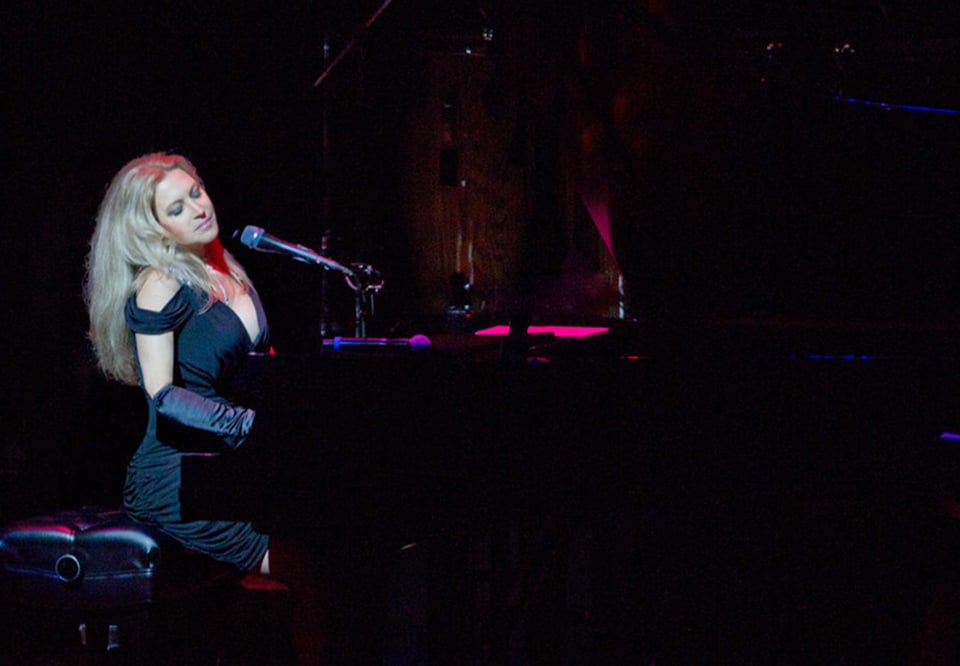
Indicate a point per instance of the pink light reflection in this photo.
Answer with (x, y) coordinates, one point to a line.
(41, 527)
(558, 331)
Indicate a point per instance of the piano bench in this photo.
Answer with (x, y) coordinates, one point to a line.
(95, 581)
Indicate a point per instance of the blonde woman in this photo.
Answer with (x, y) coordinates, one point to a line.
(173, 312)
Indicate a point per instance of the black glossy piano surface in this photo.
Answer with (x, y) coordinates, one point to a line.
(746, 491)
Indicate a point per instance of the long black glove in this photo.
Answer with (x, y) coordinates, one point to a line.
(230, 422)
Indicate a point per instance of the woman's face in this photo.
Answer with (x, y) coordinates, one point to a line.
(185, 211)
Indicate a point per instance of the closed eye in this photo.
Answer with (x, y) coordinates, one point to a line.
(177, 207)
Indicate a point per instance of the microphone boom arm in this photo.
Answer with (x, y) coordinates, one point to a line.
(326, 262)
(363, 279)
(352, 43)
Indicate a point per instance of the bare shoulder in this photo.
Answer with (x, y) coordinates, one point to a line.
(155, 289)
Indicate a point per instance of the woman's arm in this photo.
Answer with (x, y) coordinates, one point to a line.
(155, 352)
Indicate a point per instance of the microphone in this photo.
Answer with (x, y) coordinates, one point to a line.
(340, 343)
(257, 239)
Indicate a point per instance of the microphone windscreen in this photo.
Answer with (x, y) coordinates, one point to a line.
(420, 342)
(251, 236)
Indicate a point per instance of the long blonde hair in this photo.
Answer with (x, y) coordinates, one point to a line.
(128, 240)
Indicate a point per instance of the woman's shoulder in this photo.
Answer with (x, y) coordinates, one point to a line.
(155, 289)
(160, 303)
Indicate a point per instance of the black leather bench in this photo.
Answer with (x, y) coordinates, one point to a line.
(121, 586)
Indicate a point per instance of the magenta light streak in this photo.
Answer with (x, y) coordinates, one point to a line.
(597, 202)
(558, 331)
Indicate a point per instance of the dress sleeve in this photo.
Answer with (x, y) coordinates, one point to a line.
(173, 315)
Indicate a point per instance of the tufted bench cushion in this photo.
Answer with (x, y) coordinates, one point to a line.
(99, 559)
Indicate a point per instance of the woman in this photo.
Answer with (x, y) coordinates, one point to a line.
(173, 312)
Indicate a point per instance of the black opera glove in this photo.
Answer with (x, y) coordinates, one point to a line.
(230, 422)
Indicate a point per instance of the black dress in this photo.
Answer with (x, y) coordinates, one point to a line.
(211, 344)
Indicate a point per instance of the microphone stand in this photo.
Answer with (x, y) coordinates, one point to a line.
(363, 278)
(325, 200)
(365, 282)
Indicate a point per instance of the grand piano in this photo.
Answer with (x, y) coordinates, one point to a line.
(618, 494)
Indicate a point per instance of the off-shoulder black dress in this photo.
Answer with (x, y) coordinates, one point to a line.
(211, 344)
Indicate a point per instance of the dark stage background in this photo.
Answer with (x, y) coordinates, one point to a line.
(752, 450)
